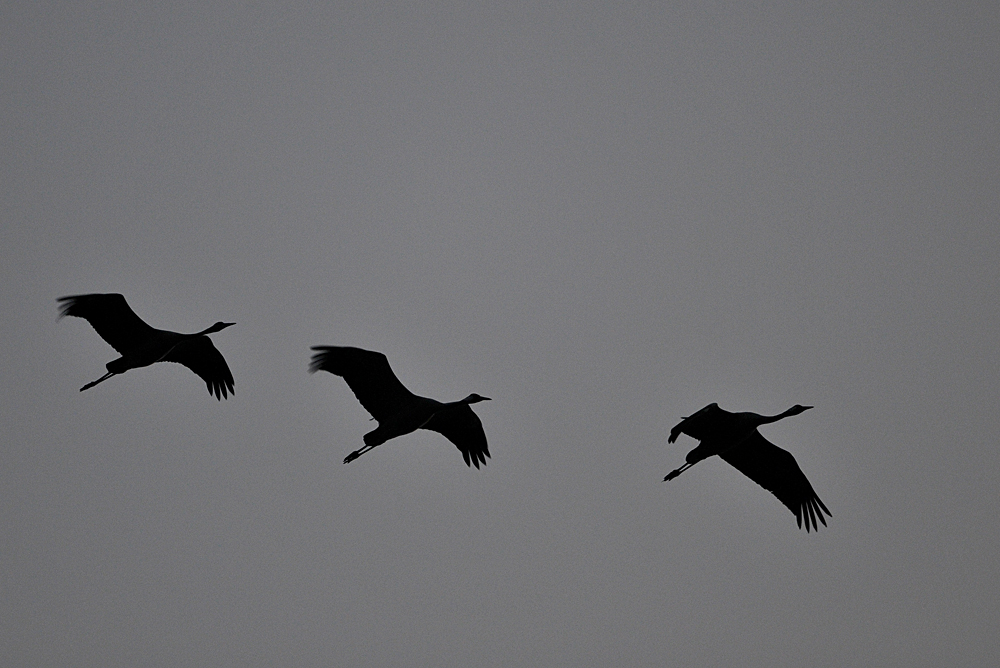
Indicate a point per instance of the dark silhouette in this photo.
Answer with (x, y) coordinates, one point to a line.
(734, 437)
(141, 345)
(398, 410)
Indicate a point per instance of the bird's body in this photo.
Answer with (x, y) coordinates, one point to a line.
(397, 410)
(734, 438)
(141, 345)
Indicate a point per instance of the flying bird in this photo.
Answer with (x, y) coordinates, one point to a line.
(734, 437)
(140, 345)
(397, 410)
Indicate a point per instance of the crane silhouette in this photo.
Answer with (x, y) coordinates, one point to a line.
(398, 410)
(140, 345)
(734, 437)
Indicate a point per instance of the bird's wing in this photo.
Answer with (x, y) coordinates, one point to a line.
(776, 471)
(460, 425)
(111, 316)
(703, 424)
(199, 355)
(369, 376)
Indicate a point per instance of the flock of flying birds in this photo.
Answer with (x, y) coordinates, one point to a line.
(731, 436)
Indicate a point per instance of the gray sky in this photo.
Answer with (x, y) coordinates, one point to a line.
(603, 216)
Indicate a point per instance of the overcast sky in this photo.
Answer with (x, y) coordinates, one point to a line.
(602, 215)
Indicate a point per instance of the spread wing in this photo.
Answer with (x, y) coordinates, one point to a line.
(777, 471)
(460, 425)
(369, 376)
(199, 355)
(111, 316)
(704, 424)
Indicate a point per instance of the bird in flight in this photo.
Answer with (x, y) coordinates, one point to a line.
(397, 410)
(140, 345)
(734, 437)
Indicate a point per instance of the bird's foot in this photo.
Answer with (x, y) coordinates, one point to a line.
(351, 457)
(99, 380)
(673, 474)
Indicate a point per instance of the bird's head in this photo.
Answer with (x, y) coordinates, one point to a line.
(218, 327)
(475, 398)
(798, 408)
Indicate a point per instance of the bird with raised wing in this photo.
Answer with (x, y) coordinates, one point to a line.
(734, 438)
(397, 410)
(141, 345)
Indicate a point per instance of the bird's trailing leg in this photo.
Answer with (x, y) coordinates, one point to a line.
(676, 472)
(101, 379)
(357, 453)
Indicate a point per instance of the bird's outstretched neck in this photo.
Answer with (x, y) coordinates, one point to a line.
(217, 327)
(794, 410)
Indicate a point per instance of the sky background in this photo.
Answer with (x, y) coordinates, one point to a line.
(602, 215)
